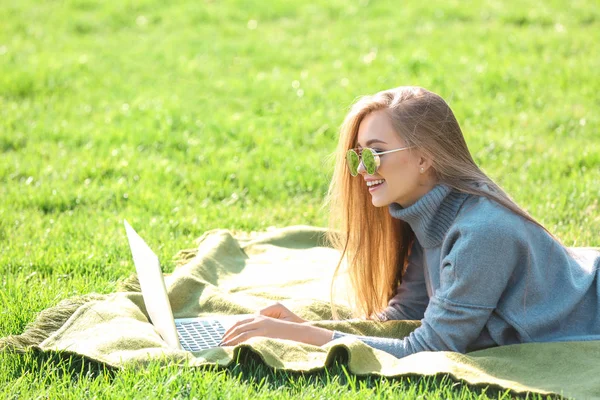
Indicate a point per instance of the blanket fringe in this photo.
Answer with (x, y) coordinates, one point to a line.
(183, 256)
(47, 322)
(129, 284)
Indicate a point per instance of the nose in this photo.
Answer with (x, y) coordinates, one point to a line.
(361, 168)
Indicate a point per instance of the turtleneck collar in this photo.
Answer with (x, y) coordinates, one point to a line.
(431, 216)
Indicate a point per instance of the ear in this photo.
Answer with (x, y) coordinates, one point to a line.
(424, 163)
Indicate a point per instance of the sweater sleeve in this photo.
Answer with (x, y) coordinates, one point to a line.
(473, 275)
(411, 297)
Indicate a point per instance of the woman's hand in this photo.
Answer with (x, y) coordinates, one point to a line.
(275, 328)
(279, 311)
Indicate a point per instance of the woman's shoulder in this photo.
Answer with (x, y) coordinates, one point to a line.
(481, 216)
(485, 233)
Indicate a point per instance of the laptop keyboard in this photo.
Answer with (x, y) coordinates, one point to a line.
(200, 334)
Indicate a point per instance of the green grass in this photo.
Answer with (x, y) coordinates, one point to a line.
(187, 116)
(51, 377)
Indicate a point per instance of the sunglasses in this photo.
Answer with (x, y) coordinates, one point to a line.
(369, 158)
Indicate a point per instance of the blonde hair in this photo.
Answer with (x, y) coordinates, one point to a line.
(375, 245)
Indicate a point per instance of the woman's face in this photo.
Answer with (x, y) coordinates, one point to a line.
(399, 178)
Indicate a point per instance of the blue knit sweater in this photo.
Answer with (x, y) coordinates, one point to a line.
(481, 276)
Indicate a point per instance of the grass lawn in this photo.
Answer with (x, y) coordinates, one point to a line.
(185, 116)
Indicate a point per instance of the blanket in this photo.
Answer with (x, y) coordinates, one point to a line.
(230, 273)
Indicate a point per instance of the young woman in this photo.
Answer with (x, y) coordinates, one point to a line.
(428, 236)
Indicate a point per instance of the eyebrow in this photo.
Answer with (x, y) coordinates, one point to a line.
(370, 142)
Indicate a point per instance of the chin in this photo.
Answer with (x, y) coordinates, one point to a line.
(379, 202)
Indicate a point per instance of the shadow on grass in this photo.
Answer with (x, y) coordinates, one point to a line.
(250, 370)
(18, 363)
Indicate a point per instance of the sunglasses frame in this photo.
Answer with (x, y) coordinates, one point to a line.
(376, 158)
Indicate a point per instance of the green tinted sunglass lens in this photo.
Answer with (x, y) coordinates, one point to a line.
(368, 159)
(353, 161)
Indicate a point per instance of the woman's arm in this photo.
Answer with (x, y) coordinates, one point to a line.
(411, 299)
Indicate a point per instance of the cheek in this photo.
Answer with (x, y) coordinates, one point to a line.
(400, 167)
(401, 173)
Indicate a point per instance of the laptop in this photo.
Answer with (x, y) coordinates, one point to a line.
(190, 334)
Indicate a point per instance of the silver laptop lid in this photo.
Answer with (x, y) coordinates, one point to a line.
(153, 287)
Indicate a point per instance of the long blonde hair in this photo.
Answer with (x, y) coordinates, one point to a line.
(375, 245)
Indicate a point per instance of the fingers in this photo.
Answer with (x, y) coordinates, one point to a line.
(279, 311)
(239, 330)
(273, 311)
(242, 337)
(235, 326)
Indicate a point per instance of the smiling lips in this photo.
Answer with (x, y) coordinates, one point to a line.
(375, 182)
